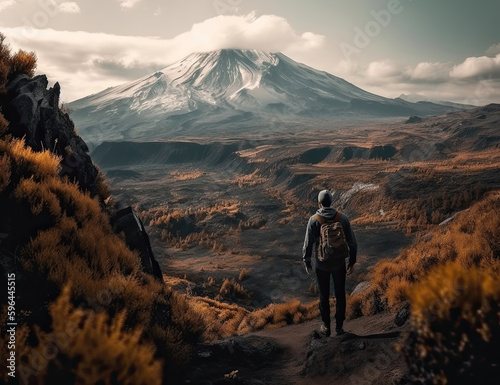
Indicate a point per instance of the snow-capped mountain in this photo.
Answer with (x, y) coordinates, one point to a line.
(231, 91)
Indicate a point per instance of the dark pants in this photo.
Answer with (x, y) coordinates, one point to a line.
(338, 276)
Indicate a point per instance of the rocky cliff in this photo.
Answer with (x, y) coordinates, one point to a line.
(33, 113)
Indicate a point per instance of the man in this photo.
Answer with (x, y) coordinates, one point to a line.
(325, 269)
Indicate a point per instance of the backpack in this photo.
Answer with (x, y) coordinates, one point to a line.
(333, 243)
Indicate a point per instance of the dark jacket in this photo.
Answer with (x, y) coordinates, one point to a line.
(312, 240)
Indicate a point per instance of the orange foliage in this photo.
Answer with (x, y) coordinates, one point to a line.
(455, 320)
(23, 62)
(3, 124)
(472, 240)
(5, 171)
(78, 245)
(232, 289)
(28, 162)
(88, 347)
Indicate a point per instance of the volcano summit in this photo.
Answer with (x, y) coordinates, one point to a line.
(230, 92)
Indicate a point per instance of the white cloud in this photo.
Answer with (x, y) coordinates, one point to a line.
(474, 67)
(4, 4)
(69, 7)
(381, 70)
(89, 62)
(128, 3)
(430, 72)
(438, 81)
(248, 32)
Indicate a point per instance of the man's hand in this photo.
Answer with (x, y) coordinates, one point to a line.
(350, 269)
(308, 267)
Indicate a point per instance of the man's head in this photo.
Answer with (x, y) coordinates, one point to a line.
(325, 198)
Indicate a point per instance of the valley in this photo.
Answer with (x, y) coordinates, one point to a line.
(236, 210)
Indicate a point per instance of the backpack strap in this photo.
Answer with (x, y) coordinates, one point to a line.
(319, 218)
(322, 220)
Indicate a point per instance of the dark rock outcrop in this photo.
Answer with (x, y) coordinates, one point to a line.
(33, 113)
(126, 221)
(413, 119)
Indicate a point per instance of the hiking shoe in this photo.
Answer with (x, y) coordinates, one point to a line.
(325, 331)
(339, 331)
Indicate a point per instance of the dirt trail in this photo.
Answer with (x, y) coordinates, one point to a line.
(364, 355)
(295, 355)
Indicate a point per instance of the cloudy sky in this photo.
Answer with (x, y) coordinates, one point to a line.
(439, 49)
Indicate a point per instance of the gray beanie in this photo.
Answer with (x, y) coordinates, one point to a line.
(325, 197)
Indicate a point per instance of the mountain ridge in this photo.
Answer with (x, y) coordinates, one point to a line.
(230, 91)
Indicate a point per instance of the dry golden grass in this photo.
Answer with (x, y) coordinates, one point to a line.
(103, 189)
(180, 176)
(255, 224)
(231, 289)
(21, 62)
(249, 180)
(223, 320)
(455, 320)
(88, 347)
(277, 315)
(4, 64)
(4, 124)
(164, 215)
(5, 171)
(471, 240)
(243, 274)
(170, 221)
(77, 245)
(28, 162)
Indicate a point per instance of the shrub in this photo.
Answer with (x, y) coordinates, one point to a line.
(23, 62)
(456, 327)
(29, 163)
(71, 240)
(4, 63)
(5, 171)
(103, 189)
(232, 289)
(472, 240)
(277, 315)
(243, 274)
(85, 347)
(3, 122)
